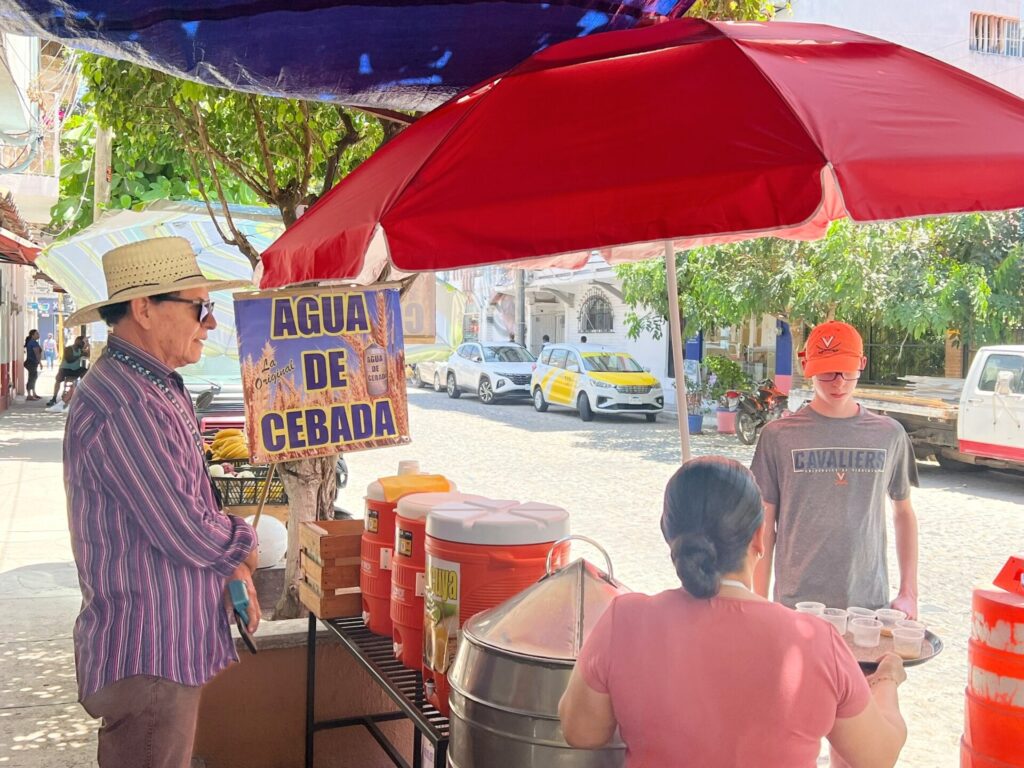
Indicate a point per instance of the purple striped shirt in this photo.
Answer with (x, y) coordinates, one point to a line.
(153, 551)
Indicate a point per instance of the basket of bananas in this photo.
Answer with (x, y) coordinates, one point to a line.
(238, 483)
(228, 445)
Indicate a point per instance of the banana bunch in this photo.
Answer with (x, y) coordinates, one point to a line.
(229, 445)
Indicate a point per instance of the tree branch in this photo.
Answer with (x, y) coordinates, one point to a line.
(239, 240)
(307, 147)
(234, 166)
(292, 134)
(261, 134)
(350, 138)
(389, 115)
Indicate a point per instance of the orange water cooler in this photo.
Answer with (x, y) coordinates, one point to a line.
(994, 710)
(478, 555)
(375, 550)
(407, 571)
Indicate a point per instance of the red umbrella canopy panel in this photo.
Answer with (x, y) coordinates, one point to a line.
(688, 130)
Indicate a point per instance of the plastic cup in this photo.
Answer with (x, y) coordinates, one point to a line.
(837, 617)
(866, 632)
(815, 609)
(909, 624)
(860, 613)
(907, 642)
(889, 617)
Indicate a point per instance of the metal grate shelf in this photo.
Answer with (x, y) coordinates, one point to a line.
(403, 686)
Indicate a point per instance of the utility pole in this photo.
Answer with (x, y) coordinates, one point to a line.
(101, 173)
(101, 178)
(520, 278)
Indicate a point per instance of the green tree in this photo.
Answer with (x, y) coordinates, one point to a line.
(735, 9)
(175, 138)
(921, 278)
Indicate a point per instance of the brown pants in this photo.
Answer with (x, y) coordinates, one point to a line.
(147, 722)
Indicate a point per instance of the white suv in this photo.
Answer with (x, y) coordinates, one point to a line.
(492, 370)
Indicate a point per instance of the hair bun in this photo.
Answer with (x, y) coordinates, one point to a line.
(696, 561)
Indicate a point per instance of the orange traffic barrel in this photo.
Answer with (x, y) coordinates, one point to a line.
(378, 541)
(994, 710)
(478, 554)
(407, 571)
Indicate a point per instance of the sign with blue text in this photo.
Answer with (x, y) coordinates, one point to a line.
(323, 371)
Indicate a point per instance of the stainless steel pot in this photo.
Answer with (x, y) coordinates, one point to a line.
(513, 666)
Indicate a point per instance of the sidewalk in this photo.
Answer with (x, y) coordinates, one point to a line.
(41, 722)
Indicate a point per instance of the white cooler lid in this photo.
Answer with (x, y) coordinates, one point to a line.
(498, 522)
(417, 506)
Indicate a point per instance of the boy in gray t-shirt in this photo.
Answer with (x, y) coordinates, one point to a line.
(824, 473)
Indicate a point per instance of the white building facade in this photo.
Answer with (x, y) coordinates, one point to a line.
(982, 37)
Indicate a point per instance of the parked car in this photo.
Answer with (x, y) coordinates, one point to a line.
(594, 379)
(491, 370)
(431, 373)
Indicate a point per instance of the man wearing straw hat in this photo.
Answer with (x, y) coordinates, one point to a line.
(154, 553)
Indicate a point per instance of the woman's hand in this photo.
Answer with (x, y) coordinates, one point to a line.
(889, 668)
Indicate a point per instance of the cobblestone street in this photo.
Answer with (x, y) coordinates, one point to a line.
(610, 474)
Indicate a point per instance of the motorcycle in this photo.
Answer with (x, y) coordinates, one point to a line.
(755, 409)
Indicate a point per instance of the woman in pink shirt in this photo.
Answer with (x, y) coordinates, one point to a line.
(712, 675)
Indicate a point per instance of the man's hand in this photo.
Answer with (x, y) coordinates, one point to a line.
(907, 604)
(905, 524)
(252, 560)
(242, 573)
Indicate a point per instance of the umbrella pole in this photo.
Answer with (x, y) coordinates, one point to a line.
(676, 339)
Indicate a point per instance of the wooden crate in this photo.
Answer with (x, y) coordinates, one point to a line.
(329, 566)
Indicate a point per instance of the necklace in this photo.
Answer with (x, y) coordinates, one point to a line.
(734, 583)
(188, 418)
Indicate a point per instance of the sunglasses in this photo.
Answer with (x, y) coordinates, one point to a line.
(832, 376)
(205, 305)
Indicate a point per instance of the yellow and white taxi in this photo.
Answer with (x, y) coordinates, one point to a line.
(594, 379)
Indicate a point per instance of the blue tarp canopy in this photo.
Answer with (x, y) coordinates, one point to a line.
(410, 55)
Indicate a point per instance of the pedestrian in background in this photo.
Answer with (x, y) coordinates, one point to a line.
(33, 356)
(72, 366)
(154, 552)
(50, 351)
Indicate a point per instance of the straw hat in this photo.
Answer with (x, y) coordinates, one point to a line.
(149, 267)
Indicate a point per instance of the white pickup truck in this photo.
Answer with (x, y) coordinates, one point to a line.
(977, 421)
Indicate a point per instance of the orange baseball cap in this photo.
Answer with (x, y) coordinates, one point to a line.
(833, 346)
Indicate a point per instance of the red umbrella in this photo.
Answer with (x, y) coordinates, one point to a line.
(688, 131)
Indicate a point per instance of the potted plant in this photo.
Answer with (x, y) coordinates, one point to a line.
(696, 405)
(725, 375)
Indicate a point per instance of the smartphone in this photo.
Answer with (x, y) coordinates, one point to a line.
(243, 630)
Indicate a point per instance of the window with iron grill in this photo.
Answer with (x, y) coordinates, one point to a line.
(991, 33)
(596, 315)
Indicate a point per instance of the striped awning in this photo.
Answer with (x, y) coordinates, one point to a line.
(77, 263)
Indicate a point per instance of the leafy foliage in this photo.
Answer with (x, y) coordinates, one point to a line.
(136, 179)
(175, 139)
(728, 375)
(735, 9)
(922, 278)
